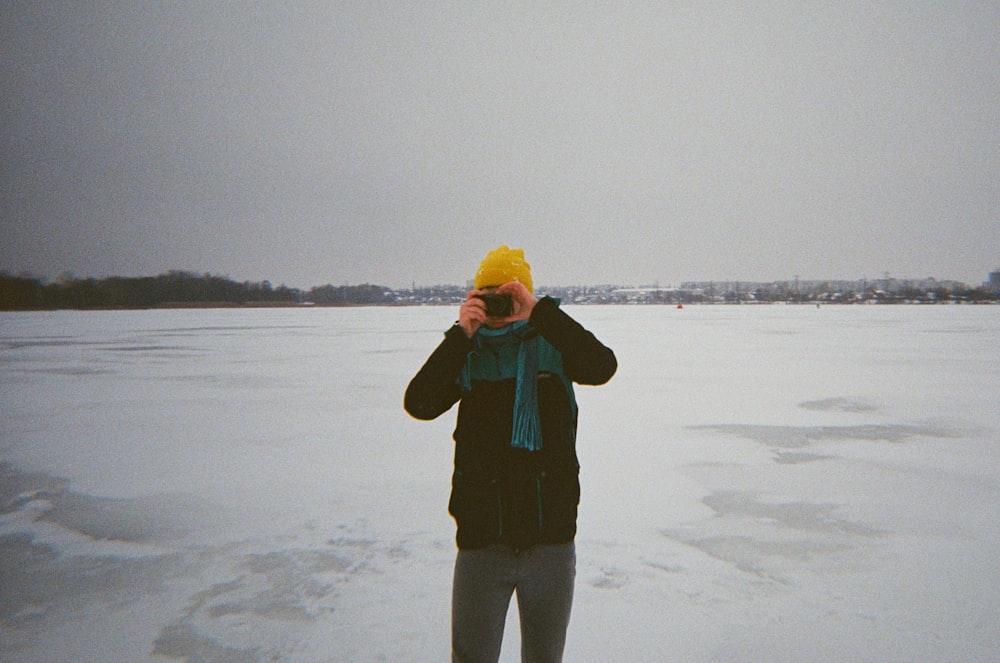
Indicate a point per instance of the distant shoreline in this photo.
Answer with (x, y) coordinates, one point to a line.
(307, 305)
(179, 290)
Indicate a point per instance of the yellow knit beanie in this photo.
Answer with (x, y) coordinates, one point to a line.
(503, 265)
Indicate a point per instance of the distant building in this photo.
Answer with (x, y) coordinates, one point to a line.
(993, 283)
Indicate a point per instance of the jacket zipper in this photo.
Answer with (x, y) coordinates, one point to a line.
(499, 513)
(538, 492)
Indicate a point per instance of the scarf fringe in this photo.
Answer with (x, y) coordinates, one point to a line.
(527, 432)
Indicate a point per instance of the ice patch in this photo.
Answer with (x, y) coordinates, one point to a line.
(160, 518)
(37, 582)
(798, 437)
(775, 540)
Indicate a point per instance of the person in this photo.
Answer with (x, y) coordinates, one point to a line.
(515, 488)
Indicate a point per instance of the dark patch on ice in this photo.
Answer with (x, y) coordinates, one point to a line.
(839, 404)
(610, 578)
(114, 345)
(242, 601)
(147, 348)
(285, 578)
(42, 342)
(178, 331)
(293, 587)
(384, 351)
(797, 437)
(70, 371)
(798, 458)
(770, 539)
(666, 568)
(37, 583)
(183, 641)
(16, 486)
(806, 516)
(347, 542)
(254, 595)
(136, 520)
(755, 556)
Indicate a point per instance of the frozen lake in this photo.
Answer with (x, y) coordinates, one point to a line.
(779, 484)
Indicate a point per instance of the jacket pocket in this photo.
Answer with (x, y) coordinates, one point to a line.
(476, 506)
(558, 501)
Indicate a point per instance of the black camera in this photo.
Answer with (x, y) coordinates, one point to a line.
(498, 306)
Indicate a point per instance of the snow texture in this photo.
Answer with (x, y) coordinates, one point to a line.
(776, 484)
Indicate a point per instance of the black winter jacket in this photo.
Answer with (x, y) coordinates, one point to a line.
(501, 494)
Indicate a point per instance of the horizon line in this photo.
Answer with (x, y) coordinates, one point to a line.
(69, 276)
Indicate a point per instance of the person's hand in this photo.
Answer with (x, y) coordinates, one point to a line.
(472, 314)
(524, 302)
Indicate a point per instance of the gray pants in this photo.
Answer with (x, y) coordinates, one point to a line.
(485, 579)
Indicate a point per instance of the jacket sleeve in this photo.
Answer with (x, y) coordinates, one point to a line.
(585, 359)
(433, 390)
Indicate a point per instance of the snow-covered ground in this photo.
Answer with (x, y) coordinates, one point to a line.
(778, 484)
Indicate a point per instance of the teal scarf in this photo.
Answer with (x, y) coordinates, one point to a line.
(516, 351)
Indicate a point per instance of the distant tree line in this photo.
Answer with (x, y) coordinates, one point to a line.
(175, 288)
(330, 295)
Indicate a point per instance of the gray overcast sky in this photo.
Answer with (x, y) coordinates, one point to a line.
(397, 142)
